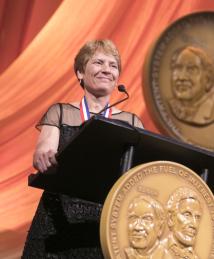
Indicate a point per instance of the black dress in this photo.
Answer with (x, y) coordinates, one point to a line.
(65, 227)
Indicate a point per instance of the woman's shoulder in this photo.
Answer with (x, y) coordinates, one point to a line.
(115, 110)
(71, 113)
(63, 111)
(72, 105)
(130, 117)
(64, 106)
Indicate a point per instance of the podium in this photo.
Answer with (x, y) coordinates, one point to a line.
(103, 149)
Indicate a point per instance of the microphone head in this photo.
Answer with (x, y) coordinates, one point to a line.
(121, 88)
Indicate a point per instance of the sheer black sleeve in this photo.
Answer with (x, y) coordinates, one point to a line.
(51, 117)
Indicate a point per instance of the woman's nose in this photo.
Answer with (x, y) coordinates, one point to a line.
(106, 68)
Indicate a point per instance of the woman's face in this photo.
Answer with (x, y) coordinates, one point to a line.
(101, 74)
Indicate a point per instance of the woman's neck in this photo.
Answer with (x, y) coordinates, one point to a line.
(96, 104)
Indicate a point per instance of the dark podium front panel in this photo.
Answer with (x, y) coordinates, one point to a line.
(91, 162)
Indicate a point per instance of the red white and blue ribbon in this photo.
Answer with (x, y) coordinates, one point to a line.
(84, 110)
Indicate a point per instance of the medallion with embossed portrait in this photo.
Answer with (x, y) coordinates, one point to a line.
(158, 210)
(178, 80)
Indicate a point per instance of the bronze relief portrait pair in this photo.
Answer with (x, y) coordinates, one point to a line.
(147, 218)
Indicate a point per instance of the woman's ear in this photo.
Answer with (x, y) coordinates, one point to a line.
(79, 75)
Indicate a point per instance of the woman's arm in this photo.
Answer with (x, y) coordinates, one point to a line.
(46, 148)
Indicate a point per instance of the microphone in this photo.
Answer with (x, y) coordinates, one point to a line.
(121, 88)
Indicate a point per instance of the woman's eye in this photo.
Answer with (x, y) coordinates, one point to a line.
(115, 66)
(97, 62)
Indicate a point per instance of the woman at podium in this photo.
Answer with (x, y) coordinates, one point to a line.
(64, 226)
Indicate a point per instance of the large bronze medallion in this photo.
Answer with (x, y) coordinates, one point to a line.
(158, 210)
(179, 80)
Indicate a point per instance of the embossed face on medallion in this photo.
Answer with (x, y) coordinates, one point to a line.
(145, 218)
(188, 77)
(192, 86)
(187, 221)
(184, 216)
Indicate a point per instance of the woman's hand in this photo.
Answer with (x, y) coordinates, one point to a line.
(43, 160)
(46, 149)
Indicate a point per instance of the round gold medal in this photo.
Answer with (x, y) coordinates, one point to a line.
(158, 210)
(179, 80)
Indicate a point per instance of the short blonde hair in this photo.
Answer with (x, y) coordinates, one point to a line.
(89, 49)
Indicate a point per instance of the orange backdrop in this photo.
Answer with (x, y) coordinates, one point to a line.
(40, 73)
